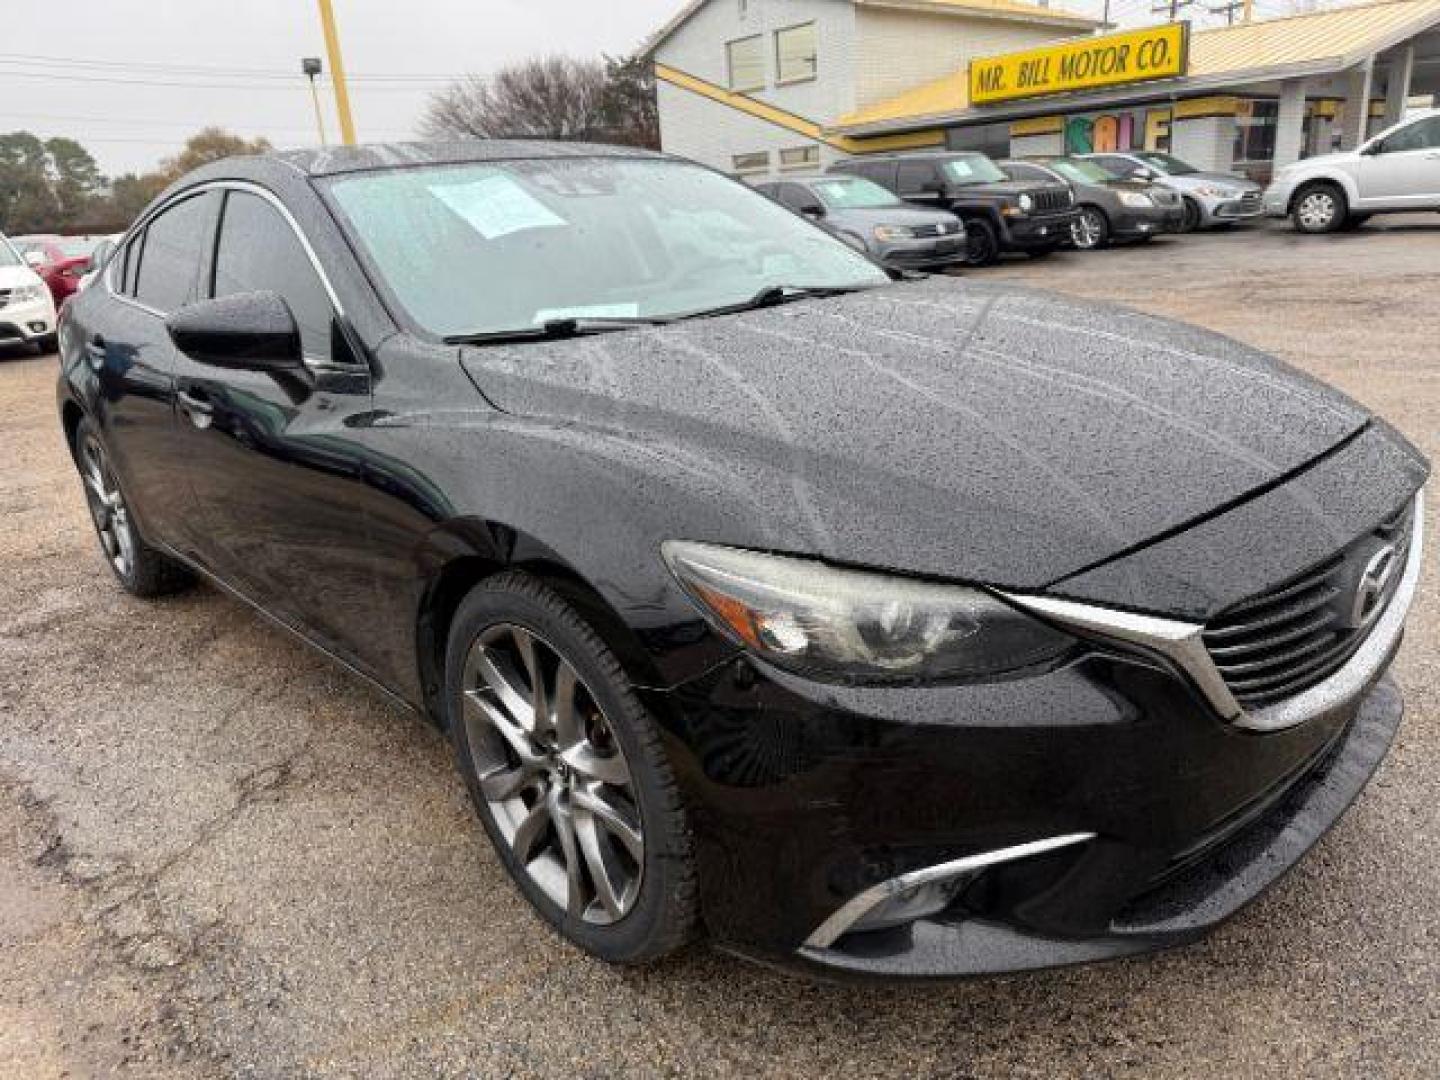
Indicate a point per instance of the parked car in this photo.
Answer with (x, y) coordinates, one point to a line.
(27, 314)
(1109, 208)
(1211, 199)
(1396, 171)
(873, 220)
(999, 214)
(60, 260)
(886, 626)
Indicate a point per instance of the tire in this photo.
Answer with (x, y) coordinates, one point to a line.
(141, 569)
(1355, 221)
(982, 243)
(1319, 208)
(1193, 216)
(537, 789)
(1091, 230)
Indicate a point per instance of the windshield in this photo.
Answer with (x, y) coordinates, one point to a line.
(508, 246)
(8, 255)
(972, 169)
(853, 193)
(1167, 164)
(1082, 172)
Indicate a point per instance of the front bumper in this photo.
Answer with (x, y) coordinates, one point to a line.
(1250, 205)
(928, 251)
(1132, 223)
(26, 322)
(1276, 199)
(1141, 817)
(1038, 232)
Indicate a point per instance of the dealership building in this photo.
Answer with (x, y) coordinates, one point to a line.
(763, 87)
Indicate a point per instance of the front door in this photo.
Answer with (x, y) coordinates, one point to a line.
(1404, 170)
(280, 485)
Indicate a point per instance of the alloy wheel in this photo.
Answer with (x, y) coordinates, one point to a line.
(1087, 231)
(552, 774)
(1317, 210)
(107, 506)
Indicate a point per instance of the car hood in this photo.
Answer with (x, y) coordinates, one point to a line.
(889, 215)
(12, 277)
(974, 432)
(1201, 179)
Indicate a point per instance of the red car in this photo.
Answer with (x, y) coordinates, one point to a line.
(64, 260)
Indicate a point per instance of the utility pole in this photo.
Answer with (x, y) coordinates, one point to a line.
(1228, 8)
(1170, 8)
(310, 67)
(337, 73)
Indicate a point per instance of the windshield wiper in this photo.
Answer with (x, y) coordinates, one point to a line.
(552, 329)
(772, 295)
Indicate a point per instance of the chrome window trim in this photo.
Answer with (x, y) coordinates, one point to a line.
(1181, 643)
(862, 903)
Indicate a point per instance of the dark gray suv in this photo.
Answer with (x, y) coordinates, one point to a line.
(873, 220)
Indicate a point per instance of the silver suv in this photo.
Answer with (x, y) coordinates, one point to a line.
(1396, 171)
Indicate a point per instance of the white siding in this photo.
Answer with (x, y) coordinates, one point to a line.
(1207, 142)
(899, 50)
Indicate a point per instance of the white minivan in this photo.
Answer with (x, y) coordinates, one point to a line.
(1396, 171)
(27, 313)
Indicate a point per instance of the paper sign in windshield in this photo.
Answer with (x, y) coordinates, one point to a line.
(496, 206)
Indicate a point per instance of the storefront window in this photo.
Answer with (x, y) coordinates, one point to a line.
(1255, 130)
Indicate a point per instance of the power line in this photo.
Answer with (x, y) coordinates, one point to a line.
(296, 82)
(161, 68)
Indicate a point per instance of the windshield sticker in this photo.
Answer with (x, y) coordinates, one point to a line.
(496, 206)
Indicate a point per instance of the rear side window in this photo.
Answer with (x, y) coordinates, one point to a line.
(1026, 173)
(170, 262)
(129, 265)
(916, 177)
(259, 251)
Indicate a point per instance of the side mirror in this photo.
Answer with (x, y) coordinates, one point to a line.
(34, 259)
(1371, 149)
(813, 210)
(248, 331)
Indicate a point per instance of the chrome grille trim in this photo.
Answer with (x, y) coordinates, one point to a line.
(1182, 643)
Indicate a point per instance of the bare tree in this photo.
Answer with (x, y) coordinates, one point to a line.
(551, 97)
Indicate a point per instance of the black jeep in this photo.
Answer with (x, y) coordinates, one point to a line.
(1000, 214)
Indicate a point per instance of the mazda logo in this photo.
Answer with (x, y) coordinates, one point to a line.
(1371, 588)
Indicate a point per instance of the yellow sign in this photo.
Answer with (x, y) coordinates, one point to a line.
(1157, 52)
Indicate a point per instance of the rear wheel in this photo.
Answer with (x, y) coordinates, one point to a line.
(141, 569)
(982, 243)
(1319, 208)
(1091, 230)
(566, 769)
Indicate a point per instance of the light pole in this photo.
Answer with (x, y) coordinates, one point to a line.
(310, 66)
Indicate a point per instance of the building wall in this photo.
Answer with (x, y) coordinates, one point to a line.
(1027, 146)
(1207, 142)
(899, 50)
(713, 133)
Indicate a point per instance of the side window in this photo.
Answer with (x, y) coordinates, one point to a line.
(1027, 173)
(796, 197)
(882, 172)
(259, 251)
(129, 266)
(916, 178)
(1421, 135)
(170, 260)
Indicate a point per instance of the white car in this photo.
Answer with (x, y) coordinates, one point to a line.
(27, 314)
(1396, 171)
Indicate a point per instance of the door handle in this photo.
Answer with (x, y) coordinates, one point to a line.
(196, 407)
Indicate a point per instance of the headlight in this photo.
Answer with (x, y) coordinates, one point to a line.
(1136, 198)
(854, 626)
(26, 293)
(894, 232)
(1026, 203)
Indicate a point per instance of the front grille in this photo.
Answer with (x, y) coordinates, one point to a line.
(5, 297)
(1294, 636)
(1049, 200)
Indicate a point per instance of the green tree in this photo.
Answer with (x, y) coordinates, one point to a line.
(74, 177)
(27, 200)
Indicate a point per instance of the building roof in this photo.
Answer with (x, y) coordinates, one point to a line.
(994, 9)
(1319, 43)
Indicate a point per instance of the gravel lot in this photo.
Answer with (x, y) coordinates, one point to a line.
(223, 857)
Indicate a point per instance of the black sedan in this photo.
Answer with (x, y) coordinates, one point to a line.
(1110, 208)
(879, 626)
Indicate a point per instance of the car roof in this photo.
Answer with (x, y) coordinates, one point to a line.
(912, 155)
(345, 159)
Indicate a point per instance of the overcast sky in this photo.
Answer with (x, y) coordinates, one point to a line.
(88, 68)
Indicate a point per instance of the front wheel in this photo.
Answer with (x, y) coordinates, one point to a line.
(1091, 230)
(1319, 208)
(982, 243)
(565, 766)
(1193, 216)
